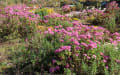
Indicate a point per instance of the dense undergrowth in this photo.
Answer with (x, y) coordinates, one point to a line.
(56, 43)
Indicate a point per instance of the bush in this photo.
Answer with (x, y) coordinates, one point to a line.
(16, 27)
(108, 21)
(61, 51)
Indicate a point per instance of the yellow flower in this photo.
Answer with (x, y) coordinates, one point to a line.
(76, 19)
(95, 26)
(91, 18)
(41, 28)
(32, 11)
(50, 10)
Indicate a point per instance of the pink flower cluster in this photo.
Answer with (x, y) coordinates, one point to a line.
(112, 6)
(62, 48)
(49, 31)
(115, 39)
(105, 58)
(66, 7)
(91, 12)
(54, 15)
(57, 16)
(53, 69)
(83, 36)
(22, 11)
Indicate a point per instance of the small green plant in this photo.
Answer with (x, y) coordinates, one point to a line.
(68, 72)
(56, 22)
(42, 12)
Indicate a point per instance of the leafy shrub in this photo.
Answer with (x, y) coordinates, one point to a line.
(15, 24)
(12, 28)
(67, 48)
(33, 55)
(55, 19)
(78, 49)
(108, 21)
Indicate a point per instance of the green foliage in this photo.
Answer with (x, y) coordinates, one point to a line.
(108, 21)
(68, 72)
(37, 51)
(110, 24)
(56, 22)
(41, 12)
(79, 6)
(16, 27)
(37, 54)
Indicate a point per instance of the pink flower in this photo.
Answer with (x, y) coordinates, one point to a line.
(116, 34)
(104, 60)
(57, 68)
(53, 61)
(114, 43)
(75, 33)
(94, 56)
(50, 31)
(58, 50)
(67, 66)
(61, 40)
(118, 61)
(97, 42)
(102, 54)
(89, 35)
(106, 67)
(106, 57)
(45, 21)
(92, 45)
(83, 36)
(66, 7)
(84, 54)
(69, 28)
(78, 48)
(66, 48)
(34, 0)
(77, 54)
(75, 23)
(75, 41)
(88, 57)
(62, 48)
(59, 26)
(52, 70)
(26, 40)
(84, 44)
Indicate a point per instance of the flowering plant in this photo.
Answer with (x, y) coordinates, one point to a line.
(80, 43)
(66, 8)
